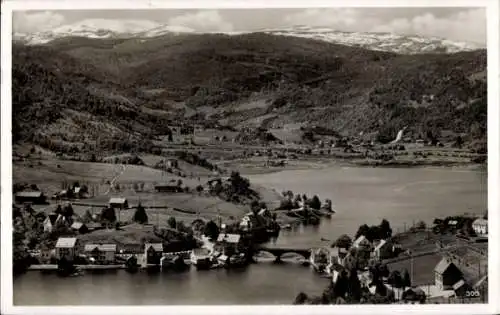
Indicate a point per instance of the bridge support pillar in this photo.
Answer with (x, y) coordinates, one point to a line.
(278, 259)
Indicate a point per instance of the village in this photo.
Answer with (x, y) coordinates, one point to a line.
(445, 263)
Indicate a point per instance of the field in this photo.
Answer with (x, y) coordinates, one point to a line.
(423, 268)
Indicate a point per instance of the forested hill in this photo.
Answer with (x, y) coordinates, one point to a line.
(73, 91)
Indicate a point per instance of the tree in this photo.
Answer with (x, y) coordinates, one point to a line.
(406, 279)
(68, 211)
(108, 215)
(385, 229)
(354, 286)
(87, 217)
(172, 223)
(315, 203)
(211, 230)
(140, 215)
(363, 230)
(344, 241)
(341, 285)
(395, 279)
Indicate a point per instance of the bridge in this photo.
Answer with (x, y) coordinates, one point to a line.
(277, 252)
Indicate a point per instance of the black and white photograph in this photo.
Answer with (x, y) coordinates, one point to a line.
(248, 156)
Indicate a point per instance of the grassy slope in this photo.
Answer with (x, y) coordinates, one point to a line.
(244, 80)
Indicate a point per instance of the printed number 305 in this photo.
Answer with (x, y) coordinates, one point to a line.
(474, 293)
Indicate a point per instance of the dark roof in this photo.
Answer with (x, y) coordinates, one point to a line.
(158, 247)
(443, 265)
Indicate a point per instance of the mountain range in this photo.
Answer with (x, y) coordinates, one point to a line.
(103, 28)
(77, 93)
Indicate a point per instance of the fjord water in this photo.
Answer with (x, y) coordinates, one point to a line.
(359, 195)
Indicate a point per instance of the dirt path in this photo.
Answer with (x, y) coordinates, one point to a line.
(112, 182)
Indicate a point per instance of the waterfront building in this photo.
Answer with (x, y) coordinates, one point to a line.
(446, 274)
(34, 197)
(153, 253)
(66, 247)
(480, 226)
(101, 253)
(414, 295)
(118, 203)
(228, 244)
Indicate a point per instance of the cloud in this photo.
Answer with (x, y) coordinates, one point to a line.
(25, 22)
(468, 25)
(208, 21)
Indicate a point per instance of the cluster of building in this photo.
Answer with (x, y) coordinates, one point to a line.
(71, 248)
(450, 283)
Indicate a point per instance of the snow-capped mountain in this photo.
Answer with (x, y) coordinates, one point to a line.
(403, 44)
(102, 28)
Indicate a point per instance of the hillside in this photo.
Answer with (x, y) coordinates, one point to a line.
(122, 91)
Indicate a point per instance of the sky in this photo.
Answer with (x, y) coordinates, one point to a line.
(460, 24)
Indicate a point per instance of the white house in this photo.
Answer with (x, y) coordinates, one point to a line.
(361, 242)
(480, 226)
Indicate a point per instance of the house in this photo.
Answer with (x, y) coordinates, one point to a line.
(362, 242)
(383, 250)
(414, 295)
(93, 226)
(118, 203)
(172, 163)
(461, 288)
(34, 197)
(446, 274)
(480, 226)
(153, 253)
(168, 188)
(130, 248)
(337, 255)
(228, 244)
(79, 227)
(52, 221)
(101, 253)
(66, 247)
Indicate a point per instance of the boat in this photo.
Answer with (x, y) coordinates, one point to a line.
(237, 260)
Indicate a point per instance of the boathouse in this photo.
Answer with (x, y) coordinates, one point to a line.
(34, 197)
(66, 247)
(228, 243)
(446, 274)
(118, 203)
(101, 253)
(153, 253)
